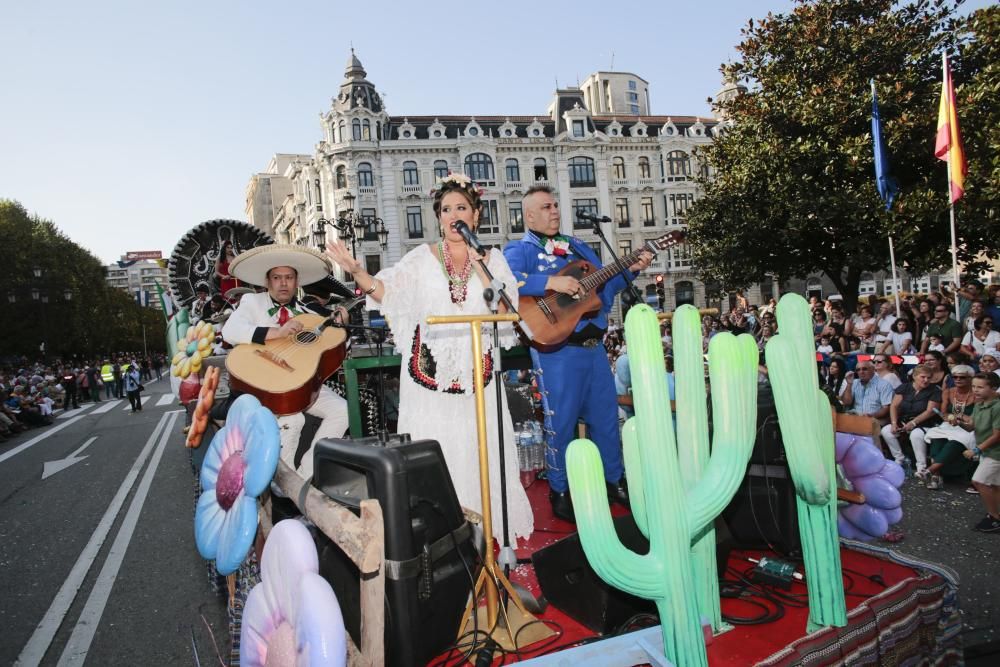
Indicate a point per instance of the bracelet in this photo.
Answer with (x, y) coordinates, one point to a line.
(371, 290)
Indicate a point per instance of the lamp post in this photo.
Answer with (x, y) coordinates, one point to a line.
(40, 293)
(351, 226)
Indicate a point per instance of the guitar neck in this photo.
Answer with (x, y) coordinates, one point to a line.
(598, 278)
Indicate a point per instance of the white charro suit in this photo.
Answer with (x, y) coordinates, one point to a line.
(249, 324)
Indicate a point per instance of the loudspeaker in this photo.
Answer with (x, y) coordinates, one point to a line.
(431, 560)
(768, 447)
(571, 585)
(762, 514)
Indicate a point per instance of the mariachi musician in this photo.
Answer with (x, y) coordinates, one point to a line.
(267, 316)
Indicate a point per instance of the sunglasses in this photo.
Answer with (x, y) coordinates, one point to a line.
(878, 361)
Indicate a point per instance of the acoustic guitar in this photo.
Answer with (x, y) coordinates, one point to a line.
(553, 317)
(285, 374)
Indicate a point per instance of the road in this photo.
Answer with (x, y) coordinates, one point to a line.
(97, 558)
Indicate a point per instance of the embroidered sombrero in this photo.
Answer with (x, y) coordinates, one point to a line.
(252, 266)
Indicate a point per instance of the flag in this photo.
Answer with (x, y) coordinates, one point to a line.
(166, 303)
(948, 145)
(886, 184)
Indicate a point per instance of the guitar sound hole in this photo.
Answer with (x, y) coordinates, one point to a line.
(306, 337)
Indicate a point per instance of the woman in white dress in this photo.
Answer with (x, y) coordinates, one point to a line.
(436, 400)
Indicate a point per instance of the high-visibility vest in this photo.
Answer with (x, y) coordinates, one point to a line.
(107, 374)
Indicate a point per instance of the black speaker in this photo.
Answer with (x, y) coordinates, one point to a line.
(762, 514)
(571, 585)
(431, 560)
(768, 447)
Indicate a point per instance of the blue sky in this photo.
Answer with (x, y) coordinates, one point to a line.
(127, 123)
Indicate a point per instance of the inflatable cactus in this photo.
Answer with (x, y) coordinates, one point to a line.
(807, 431)
(674, 498)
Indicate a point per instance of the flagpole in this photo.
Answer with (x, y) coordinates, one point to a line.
(895, 281)
(945, 80)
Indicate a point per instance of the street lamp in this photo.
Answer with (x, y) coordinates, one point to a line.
(351, 226)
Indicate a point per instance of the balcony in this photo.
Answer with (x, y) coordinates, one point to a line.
(410, 189)
(646, 181)
(367, 190)
(513, 185)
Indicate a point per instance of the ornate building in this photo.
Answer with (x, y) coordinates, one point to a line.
(639, 169)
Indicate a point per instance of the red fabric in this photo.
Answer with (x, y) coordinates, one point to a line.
(283, 316)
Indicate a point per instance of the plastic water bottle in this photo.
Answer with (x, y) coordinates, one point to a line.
(907, 469)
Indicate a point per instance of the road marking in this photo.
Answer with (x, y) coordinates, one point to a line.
(73, 413)
(38, 438)
(52, 467)
(79, 643)
(166, 399)
(106, 407)
(141, 402)
(36, 647)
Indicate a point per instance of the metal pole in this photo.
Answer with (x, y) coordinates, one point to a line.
(895, 280)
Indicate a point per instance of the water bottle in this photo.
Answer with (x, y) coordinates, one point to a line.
(538, 446)
(907, 468)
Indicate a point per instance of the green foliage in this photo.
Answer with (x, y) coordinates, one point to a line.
(795, 187)
(94, 321)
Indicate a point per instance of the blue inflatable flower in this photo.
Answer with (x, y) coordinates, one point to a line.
(238, 466)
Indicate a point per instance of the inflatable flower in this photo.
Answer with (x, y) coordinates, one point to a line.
(292, 616)
(206, 398)
(192, 348)
(879, 479)
(238, 466)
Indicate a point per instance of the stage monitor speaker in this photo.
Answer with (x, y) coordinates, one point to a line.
(571, 585)
(431, 560)
(768, 446)
(762, 513)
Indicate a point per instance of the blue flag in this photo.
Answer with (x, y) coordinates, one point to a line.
(886, 184)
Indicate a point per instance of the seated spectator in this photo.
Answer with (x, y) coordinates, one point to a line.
(886, 370)
(948, 441)
(911, 413)
(990, 362)
(900, 339)
(824, 346)
(946, 329)
(886, 323)
(835, 380)
(869, 394)
(982, 338)
(986, 425)
(934, 344)
(938, 366)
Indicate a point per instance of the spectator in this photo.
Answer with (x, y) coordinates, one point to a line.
(869, 394)
(886, 370)
(976, 310)
(985, 421)
(993, 309)
(886, 320)
(923, 313)
(948, 441)
(981, 338)
(900, 339)
(911, 413)
(947, 329)
(865, 326)
(835, 382)
(938, 366)
(990, 362)
(935, 344)
(824, 346)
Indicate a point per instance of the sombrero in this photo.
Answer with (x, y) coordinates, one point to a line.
(252, 266)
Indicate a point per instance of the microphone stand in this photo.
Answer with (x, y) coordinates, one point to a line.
(632, 293)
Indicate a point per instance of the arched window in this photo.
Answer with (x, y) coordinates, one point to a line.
(618, 167)
(512, 171)
(479, 167)
(366, 130)
(365, 177)
(410, 175)
(644, 167)
(684, 292)
(678, 165)
(356, 129)
(440, 169)
(319, 195)
(340, 175)
(581, 172)
(541, 169)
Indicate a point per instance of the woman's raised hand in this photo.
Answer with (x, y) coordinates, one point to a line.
(339, 254)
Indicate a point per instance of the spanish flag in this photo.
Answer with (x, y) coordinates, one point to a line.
(949, 140)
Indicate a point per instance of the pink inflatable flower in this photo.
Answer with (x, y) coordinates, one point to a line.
(292, 616)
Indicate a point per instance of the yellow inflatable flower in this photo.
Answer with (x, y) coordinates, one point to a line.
(192, 348)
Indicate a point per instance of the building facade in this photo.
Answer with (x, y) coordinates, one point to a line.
(637, 168)
(139, 280)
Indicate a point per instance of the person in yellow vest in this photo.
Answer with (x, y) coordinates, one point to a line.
(108, 378)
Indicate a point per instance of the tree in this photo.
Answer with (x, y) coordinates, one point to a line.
(794, 191)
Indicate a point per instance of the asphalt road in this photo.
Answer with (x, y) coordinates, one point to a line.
(97, 560)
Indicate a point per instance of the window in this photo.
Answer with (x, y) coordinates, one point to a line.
(684, 292)
(541, 169)
(356, 129)
(440, 169)
(516, 216)
(319, 196)
(621, 211)
(479, 167)
(632, 97)
(410, 174)
(618, 166)
(372, 227)
(648, 220)
(678, 166)
(634, 108)
(341, 177)
(373, 264)
(578, 128)
(643, 167)
(414, 223)
(631, 85)
(473, 131)
(366, 130)
(679, 204)
(513, 171)
(585, 206)
(625, 248)
(596, 247)
(342, 133)
(365, 177)
(581, 172)
(679, 256)
(489, 221)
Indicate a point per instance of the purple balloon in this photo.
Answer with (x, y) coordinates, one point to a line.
(847, 529)
(878, 491)
(893, 473)
(842, 443)
(895, 515)
(867, 518)
(863, 458)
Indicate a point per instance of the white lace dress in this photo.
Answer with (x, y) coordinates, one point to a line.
(429, 408)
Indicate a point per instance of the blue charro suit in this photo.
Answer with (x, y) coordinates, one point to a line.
(578, 379)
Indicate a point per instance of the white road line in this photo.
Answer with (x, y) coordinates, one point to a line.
(36, 647)
(142, 401)
(166, 399)
(79, 643)
(110, 405)
(74, 413)
(38, 438)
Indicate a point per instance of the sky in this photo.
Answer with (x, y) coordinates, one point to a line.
(127, 123)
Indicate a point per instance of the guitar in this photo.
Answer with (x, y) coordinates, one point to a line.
(553, 317)
(285, 374)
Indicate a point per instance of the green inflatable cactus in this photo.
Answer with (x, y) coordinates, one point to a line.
(807, 432)
(675, 497)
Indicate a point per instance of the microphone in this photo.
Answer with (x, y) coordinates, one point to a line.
(469, 237)
(583, 215)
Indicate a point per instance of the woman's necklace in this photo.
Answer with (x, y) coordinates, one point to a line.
(457, 282)
(958, 404)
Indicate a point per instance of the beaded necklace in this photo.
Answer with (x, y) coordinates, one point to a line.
(457, 282)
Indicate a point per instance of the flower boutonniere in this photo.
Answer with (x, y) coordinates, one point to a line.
(558, 246)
